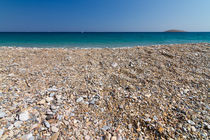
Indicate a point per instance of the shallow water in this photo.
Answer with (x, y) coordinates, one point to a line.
(100, 40)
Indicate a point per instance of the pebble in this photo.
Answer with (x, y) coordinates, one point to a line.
(87, 137)
(18, 124)
(55, 136)
(193, 128)
(28, 137)
(105, 128)
(114, 65)
(53, 107)
(42, 102)
(114, 138)
(47, 124)
(155, 118)
(191, 122)
(54, 129)
(24, 116)
(206, 125)
(148, 95)
(80, 99)
(130, 126)
(1, 132)
(49, 99)
(147, 120)
(52, 94)
(58, 97)
(2, 114)
(52, 89)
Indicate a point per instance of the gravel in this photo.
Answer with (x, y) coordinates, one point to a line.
(151, 92)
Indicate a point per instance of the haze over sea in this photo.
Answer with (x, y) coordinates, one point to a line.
(99, 39)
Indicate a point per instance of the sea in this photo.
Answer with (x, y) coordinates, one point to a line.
(98, 39)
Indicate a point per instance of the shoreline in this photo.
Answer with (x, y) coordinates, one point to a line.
(145, 92)
(77, 48)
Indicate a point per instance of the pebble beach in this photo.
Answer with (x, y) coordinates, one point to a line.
(138, 93)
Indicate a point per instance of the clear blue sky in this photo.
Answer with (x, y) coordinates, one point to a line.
(104, 15)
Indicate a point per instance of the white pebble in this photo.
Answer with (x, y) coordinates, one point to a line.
(24, 116)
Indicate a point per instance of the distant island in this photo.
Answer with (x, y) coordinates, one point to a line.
(175, 30)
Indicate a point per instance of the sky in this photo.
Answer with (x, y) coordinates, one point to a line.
(104, 15)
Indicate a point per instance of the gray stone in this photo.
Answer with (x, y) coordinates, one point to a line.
(28, 137)
(155, 118)
(193, 128)
(47, 124)
(52, 107)
(190, 122)
(206, 125)
(52, 94)
(49, 99)
(24, 116)
(147, 120)
(18, 124)
(105, 128)
(54, 129)
(58, 97)
(11, 127)
(130, 126)
(2, 114)
(1, 132)
(52, 89)
(114, 65)
(80, 99)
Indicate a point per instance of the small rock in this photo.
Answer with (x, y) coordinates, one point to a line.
(1, 132)
(206, 125)
(28, 137)
(24, 116)
(47, 124)
(58, 97)
(114, 65)
(79, 99)
(148, 95)
(190, 122)
(87, 137)
(2, 114)
(130, 126)
(11, 127)
(186, 91)
(204, 135)
(120, 106)
(193, 128)
(54, 129)
(155, 118)
(107, 136)
(114, 138)
(42, 102)
(161, 129)
(55, 136)
(147, 120)
(18, 124)
(52, 89)
(52, 107)
(104, 128)
(119, 137)
(49, 117)
(52, 94)
(49, 99)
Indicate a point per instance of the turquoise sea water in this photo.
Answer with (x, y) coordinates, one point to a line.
(100, 40)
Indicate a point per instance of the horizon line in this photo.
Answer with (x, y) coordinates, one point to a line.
(98, 32)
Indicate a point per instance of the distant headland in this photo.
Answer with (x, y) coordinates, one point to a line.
(173, 30)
